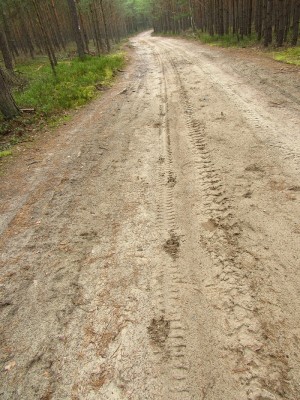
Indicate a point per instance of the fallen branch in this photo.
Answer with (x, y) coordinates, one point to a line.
(28, 110)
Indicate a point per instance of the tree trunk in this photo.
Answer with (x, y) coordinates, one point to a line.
(268, 24)
(191, 9)
(84, 33)
(60, 35)
(76, 28)
(226, 18)
(25, 33)
(47, 42)
(280, 23)
(8, 61)
(296, 18)
(221, 18)
(10, 42)
(95, 28)
(287, 17)
(8, 106)
(258, 19)
(105, 27)
(250, 15)
(97, 21)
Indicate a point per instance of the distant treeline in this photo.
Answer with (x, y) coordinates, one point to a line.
(54, 27)
(273, 21)
(29, 27)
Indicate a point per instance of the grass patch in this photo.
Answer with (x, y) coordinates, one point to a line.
(77, 82)
(226, 40)
(289, 56)
(5, 153)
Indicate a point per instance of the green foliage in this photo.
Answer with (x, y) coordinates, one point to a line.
(289, 56)
(57, 120)
(74, 85)
(135, 7)
(227, 40)
(77, 82)
(5, 153)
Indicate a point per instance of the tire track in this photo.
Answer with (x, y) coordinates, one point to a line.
(170, 277)
(259, 120)
(246, 342)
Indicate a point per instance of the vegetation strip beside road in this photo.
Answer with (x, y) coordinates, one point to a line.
(287, 55)
(37, 84)
(76, 82)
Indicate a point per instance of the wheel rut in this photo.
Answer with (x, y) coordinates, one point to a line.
(245, 343)
(258, 117)
(170, 277)
(156, 254)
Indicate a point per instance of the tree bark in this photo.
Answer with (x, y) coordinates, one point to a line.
(76, 28)
(8, 61)
(95, 28)
(10, 42)
(268, 23)
(47, 42)
(105, 26)
(250, 15)
(280, 23)
(84, 33)
(60, 35)
(8, 107)
(258, 19)
(296, 18)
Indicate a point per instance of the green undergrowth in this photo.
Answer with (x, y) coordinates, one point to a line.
(227, 40)
(289, 56)
(76, 83)
(5, 153)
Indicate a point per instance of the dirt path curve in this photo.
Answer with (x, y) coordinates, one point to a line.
(150, 249)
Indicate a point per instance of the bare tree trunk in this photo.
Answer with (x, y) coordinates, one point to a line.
(25, 32)
(250, 15)
(83, 30)
(192, 16)
(280, 23)
(268, 24)
(105, 27)
(258, 19)
(8, 106)
(76, 28)
(97, 27)
(288, 11)
(61, 38)
(8, 61)
(52, 28)
(10, 42)
(296, 18)
(47, 43)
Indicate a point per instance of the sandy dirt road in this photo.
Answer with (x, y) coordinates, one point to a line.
(150, 248)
